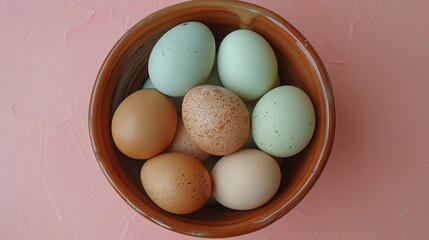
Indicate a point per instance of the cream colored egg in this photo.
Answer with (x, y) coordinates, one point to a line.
(246, 179)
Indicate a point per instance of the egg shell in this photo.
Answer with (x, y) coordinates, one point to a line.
(246, 64)
(182, 142)
(144, 124)
(182, 58)
(283, 121)
(216, 119)
(176, 182)
(245, 179)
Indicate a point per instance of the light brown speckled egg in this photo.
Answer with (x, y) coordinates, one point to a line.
(216, 119)
(176, 182)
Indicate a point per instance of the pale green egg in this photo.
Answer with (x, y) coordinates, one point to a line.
(283, 121)
(246, 64)
(182, 58)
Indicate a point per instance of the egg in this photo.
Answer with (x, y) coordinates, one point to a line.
(144, 124)
(182, 58)
(245, 179)
(216, 119)
(246, 64)
(283, 121)
(182, 142)
(176, 182)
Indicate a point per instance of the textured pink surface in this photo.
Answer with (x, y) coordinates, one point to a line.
(375, 185)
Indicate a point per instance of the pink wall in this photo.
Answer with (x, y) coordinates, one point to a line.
(375, 185)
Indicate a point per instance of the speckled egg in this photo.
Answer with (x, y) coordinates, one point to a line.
(216, 119)
(283, 121)
(176, 182)
(182, 58)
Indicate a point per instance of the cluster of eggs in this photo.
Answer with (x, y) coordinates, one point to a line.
(210, 121)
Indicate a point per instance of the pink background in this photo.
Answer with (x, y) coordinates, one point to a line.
(375, 185)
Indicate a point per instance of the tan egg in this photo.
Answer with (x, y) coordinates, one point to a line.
(182, 142)
(216, 119)
(176, 182)
(144, 124)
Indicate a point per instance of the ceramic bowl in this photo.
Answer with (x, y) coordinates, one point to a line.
(124, 71)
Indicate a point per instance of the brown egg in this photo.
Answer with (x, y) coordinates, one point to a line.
(216, 119)
(182, 142)
(176, 182)
(144, 124)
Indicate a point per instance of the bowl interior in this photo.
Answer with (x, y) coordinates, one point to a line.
(125, 70)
